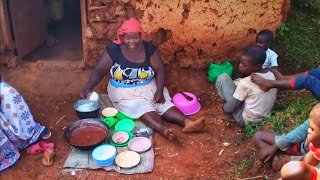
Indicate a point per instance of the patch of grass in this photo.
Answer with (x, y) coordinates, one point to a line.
(286, 116)
(300, 35)
(313, 5)
(295, 113)
(240, 166)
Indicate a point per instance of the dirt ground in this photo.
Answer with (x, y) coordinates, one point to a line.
(50, 92)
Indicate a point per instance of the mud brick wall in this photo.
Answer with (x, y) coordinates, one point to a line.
(190, 32)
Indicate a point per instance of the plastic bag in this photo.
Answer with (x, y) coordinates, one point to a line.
(215, 70)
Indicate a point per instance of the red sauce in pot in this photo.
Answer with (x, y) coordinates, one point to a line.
(87, 136)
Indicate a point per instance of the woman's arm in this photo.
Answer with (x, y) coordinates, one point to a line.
(158, 67)
(97, 74)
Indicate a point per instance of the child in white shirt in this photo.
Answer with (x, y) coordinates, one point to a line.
(247, 102)
(264, 40)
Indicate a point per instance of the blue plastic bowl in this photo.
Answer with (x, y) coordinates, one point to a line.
(104, 155)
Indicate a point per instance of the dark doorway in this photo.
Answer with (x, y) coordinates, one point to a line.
(65, 39)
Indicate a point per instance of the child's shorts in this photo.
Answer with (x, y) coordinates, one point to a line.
(297, 149)
(237, 115)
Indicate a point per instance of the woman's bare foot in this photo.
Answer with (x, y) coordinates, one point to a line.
(263, 83)
(278, 75)
(169, 134)
(193, 126)
(226, 117)
(279, 160)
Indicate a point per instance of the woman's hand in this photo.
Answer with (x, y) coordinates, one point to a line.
(158, 97)
(84, 93)
(97, 74)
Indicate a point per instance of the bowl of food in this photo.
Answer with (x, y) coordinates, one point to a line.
(86, 133)
(87, 108)
(140, 144)
(104, 155)
(109, 112)
(120, 137)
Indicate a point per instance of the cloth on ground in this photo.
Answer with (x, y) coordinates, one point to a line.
(80, 159)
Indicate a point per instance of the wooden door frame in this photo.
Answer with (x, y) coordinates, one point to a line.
(6, 30)
(84, 23)
(5, 26)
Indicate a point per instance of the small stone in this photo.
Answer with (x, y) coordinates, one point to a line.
(226, 144)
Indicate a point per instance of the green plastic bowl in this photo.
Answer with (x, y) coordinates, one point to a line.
(120, 145)
(109, 121)
(121, 115)
(126, 125)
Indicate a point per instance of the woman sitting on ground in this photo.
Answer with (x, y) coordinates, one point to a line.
(136, 86)
(18, 129)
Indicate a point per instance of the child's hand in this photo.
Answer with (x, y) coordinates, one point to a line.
(158, 97)
(268, 153)
(264, 84)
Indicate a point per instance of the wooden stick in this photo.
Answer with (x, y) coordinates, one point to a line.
(250, 178)
(107, 21)
(60, 119)
(221, 151)
(96, 8)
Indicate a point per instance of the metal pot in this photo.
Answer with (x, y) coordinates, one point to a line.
(85, 123)
(93, 112)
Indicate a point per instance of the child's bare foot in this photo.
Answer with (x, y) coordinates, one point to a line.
(169, 134)
(193, 126)
(263, 83)
(279, 160)
(226, 117)
(278, 75)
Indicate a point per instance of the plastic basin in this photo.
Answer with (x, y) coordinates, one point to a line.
(187, 107)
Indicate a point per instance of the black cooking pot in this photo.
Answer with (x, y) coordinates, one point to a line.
(92, 111)
(85, 123)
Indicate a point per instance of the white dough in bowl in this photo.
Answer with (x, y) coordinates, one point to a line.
(86, 107)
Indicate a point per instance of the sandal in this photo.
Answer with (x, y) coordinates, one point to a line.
(47, 135)
(39, 147)
(48, 155)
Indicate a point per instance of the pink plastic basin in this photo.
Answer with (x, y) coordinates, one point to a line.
(187, 107)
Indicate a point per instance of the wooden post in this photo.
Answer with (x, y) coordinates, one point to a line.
(84, 21)
(5, 25)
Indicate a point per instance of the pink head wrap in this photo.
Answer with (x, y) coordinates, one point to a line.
(131, 25)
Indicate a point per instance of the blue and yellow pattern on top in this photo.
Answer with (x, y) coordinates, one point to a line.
(131, 76)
